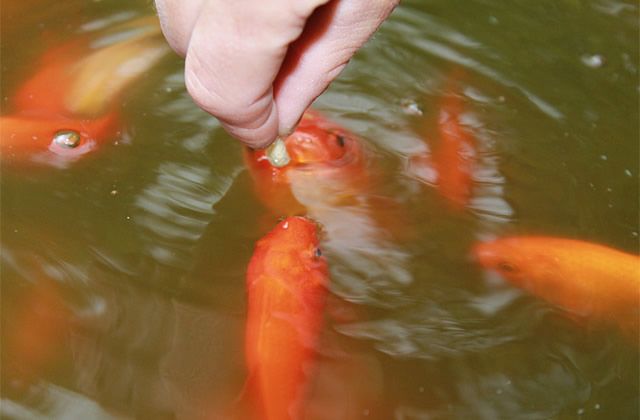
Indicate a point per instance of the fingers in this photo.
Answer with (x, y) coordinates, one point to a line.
(332, 36)
(237, 51)
(231, 74)
(177, 19)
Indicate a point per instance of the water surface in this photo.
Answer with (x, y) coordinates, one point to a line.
(146, 240)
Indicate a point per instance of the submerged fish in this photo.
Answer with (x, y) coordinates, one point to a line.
(76, 89)
(287, 288)
(36, 335)
(581, 277)
(451, 166)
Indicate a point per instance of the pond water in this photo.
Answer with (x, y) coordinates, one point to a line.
(123, 271)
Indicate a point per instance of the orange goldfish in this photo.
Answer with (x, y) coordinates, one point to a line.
(75, 90)
(287, 288)
(34, 338)
(454, 157)
(581, 277)
(327, 165)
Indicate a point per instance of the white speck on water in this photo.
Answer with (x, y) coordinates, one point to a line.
(168, 89)
(114, 192)
(603, 157)
(128, 217)
(499, 391)
(592, 60)
(628, 173)
(596, 406)
(580, 411)
(410, 107)
(493, 20)
(634, 234)
(501, 99)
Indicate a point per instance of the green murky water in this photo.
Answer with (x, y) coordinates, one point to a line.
(146, 239)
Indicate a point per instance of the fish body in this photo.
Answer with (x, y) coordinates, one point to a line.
(583, 278)
(450, 168)
(287, 288)
(455, 156)
(35, 338)
(47, 86)
(327, 166)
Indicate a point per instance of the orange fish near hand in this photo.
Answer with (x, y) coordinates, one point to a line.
(581, 277)
(327, 167)
(454, 157)
(287, 288)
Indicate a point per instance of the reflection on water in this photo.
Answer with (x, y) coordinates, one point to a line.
(175, 209)
(145, 245)
(153, 355)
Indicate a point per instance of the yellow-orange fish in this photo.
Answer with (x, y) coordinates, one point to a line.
(581, 277)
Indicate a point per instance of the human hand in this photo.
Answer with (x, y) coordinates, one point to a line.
(258, 64)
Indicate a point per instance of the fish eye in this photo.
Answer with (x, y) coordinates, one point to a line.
(340, 140)
(69, 139)
(506, 267)
(317, 253)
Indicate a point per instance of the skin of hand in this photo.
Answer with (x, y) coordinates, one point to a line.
(258, 64)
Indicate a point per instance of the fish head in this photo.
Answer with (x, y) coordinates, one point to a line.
(314, 141)
(323, 159)
(505, 256)
(537, 264)
(35, 136)
(291, 251)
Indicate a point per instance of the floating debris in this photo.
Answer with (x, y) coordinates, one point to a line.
(410, 107)
(593, 61)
